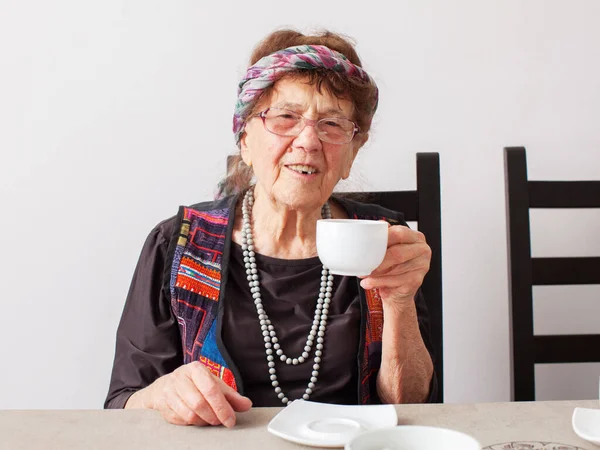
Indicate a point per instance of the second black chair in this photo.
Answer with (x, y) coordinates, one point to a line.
(525, 272)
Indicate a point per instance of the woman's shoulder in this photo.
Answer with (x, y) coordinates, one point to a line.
(168, 227)
(363, 206)
(214, 205)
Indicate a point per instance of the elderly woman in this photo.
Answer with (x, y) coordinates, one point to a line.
(230, 306)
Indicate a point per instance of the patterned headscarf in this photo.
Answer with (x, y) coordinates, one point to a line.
(269, 69)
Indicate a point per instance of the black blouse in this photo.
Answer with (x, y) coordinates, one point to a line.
(289, 290)
(148, 342)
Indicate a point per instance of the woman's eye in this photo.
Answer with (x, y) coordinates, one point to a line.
(331, 123)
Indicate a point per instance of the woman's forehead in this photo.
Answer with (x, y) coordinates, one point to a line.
(298, 94)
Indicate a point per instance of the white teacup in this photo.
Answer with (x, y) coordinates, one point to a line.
(413, 437)
(351, 246)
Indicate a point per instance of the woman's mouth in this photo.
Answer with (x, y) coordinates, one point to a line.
(303, 169)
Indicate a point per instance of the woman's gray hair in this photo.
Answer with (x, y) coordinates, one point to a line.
(238, 178)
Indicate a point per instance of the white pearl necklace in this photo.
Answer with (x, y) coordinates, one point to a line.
(317, 331)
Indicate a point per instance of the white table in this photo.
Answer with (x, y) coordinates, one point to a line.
(490, 423)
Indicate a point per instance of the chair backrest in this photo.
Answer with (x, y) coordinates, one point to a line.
(423, 206)
(525, 272)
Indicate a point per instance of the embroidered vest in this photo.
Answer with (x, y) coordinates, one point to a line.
(195, 286)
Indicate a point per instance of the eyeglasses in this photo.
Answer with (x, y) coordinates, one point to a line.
(335, 130)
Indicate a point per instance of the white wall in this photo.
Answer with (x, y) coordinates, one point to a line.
(113, 113)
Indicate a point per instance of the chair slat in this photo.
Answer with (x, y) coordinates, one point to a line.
(561, 271)
(564, 194)
(575, 348)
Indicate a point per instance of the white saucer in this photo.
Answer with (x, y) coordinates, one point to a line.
(586, 424)
(327, 425)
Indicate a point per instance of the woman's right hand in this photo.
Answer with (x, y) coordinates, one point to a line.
(192, 395)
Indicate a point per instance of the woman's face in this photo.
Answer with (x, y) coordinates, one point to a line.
(277, 160)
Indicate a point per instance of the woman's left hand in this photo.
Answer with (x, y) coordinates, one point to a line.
(403, 268)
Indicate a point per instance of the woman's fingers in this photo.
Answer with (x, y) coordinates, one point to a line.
(238, 402)
(399, 234)
(175, 411)
(192, 395)
(402, 257)
(186, 389)
(211, 389)
(404, 266)
(403, 285)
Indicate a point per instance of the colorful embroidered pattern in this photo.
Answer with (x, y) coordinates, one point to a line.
(203, 241)
(198, 276)
(220, 371)
(373, 338)
(196, 285)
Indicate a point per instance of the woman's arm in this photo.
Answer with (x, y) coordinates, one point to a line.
(406, 368)
(148, 343)
(406, 365)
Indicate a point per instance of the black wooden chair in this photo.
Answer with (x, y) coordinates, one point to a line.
(525, 272)
(423, 206)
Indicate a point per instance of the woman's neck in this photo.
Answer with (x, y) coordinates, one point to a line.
(281, 232)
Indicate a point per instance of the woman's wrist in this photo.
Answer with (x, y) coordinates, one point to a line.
(139, 400)
(400, 312)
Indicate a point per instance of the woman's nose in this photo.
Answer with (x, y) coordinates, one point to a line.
(308, 139)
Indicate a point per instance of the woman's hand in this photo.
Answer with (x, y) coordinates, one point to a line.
(403, 268)
(406, 366)
(192, 395)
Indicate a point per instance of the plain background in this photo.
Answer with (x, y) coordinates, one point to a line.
(113, 113)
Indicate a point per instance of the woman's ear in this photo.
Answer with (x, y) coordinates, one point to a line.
(244, 150)
(357, 143)
(361, 140)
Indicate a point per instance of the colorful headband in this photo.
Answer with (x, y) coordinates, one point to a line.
(269, 69)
